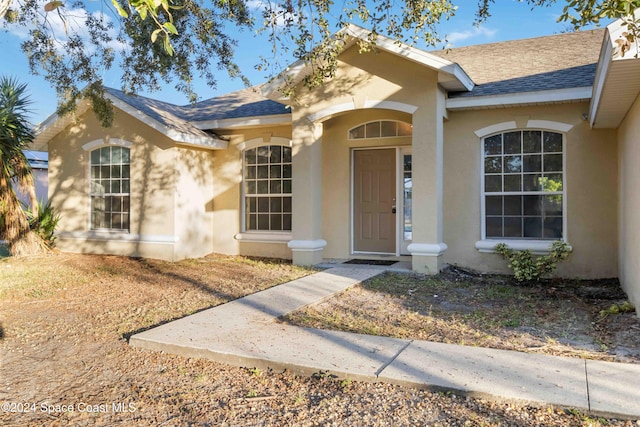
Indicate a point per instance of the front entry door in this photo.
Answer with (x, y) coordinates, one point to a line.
(374, 201)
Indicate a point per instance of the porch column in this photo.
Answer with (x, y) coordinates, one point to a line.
(427, 246)
(307, 244)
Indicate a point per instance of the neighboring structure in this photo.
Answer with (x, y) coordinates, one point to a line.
(433, 157)
(39, 166)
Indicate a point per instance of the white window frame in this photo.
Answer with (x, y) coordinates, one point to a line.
(260, 236)
(536, 246)
(89, 148)
(396, 135)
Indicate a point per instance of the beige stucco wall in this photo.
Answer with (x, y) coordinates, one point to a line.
(629, 196)
(321, 153)
(336, 173)
(227, 193)
(152, 189)
(591, 180)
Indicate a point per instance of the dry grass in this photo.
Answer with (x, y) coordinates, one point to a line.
(559, 317)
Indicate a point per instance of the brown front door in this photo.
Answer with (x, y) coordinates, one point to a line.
(374, 200)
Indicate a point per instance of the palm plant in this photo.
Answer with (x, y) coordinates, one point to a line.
(15, 136)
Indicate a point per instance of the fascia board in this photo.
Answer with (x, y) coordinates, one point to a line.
(511, 99)
(242, 122)
(604, 62)
(50, 127)
(178, 137)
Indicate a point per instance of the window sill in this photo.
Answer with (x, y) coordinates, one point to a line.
(263, 237)
(537, 247)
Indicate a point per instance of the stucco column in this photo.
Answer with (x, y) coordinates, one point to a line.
(307, 244)
(427, 246)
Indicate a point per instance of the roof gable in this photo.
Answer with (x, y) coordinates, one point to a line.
(450, 76)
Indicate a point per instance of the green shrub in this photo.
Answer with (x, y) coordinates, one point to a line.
(527, 267)
(45, 223)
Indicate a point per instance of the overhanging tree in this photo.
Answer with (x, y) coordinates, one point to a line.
(72, 42)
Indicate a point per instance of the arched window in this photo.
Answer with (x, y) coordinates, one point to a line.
(110, 188)
(523, 185)
(380, 129)
(267, 188)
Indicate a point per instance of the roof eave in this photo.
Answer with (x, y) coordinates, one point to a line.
(556, 96)
(244, 122)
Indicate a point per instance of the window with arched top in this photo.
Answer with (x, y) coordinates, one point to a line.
(523, 185)
(110, 188)
(381, 129)
(267, 188)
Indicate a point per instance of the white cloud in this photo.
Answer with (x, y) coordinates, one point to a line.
(473, 33)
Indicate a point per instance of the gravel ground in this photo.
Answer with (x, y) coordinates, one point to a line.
(64, 324)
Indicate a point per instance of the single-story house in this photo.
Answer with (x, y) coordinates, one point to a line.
(432, 157)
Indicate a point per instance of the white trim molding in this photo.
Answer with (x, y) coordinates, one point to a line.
(498, 127)
(350, 106)
(257, 142)
(427, 249)
(537, 247)
(89, 146)
(307, 245)
(578, 94)
(118, 236)
(549, 125)
(258, 237)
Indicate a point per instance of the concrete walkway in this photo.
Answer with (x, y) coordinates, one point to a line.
(245, 333)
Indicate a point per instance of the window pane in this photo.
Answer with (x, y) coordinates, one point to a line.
(553, 228)
(263, 187)
(126, 156)
(125, 171)
(512, 226)
(252, 172)
(512, 182)
(275, 187)
(531, 141)
(388, 128)
(95, 157)
(492, 183)
(263, 172)
(533, 227)
(552, 182)
(404, 129)
(512, 142)
(115, 187)
(276, 222)
(95, 172)
(125, 204)
(125, 186)
(357, 133)
(532, 164)
(275, 171)
(532, 205)
(286, 204)
(286, 171)
(493, 145)
(116, 155)
(250, 156)
(286, 186)
(553, 162)
(263, 221)
(105, 155)
(263, 204)
(372, 130)
(286, 222)
(116, 171)
(493, 205)
(512, 205)
(512, 164)
(105, 172)
(276, 154)
(262, 155)
(552, 142)
(552, 205)
(276, 204)
(251, 187)
(532, 182)
(286, 154)
(493, 165)
(252, 222)
(493, 226)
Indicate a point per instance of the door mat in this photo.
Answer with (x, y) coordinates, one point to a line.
(369, 262)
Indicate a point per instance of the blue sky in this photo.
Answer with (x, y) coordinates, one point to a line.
(510, 20)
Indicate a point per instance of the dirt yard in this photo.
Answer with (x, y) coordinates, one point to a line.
(64, 358)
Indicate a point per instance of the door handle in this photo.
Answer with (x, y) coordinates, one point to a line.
(393, 209)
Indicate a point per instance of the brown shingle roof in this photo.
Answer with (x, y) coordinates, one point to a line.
(544, 63)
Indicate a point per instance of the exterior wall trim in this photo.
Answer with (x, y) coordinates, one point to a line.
(307, 245)
(106, 236)
(350, 106)
(537, 247)
(427, 249)
(256, 142)
(513, 99)
(89, 146)
(272, 237)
